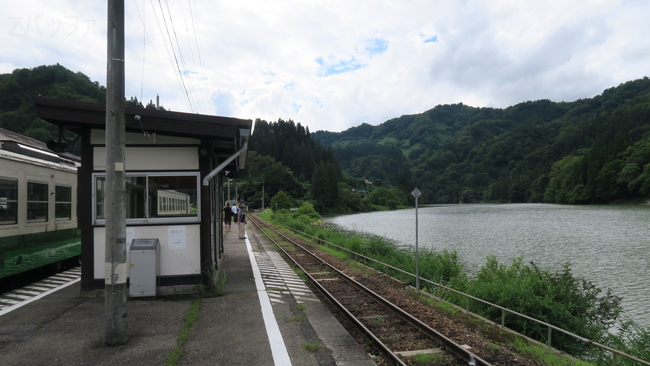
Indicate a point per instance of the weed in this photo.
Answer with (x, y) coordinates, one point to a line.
(299, 318)
(493, 346)
(546, 357)
(427, 358)
(301, 306)
(300, 273)
(216, 285)
(190, 319)
(312, 346)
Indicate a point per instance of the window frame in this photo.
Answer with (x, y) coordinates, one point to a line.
(147, 219)
(14, 201)
(46, 202)
(58, 203)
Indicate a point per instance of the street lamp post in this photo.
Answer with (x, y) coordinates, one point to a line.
(416, 193)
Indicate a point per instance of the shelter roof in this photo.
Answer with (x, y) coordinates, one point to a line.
(230, 134)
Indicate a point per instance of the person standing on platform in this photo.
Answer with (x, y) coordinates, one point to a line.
(227, 216)
(242, 223)
(234, 212)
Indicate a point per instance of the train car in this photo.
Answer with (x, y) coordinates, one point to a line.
(38, 208)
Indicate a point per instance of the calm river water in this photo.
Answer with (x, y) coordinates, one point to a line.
(608, 245)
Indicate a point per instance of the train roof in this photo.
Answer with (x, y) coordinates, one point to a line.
(27, 146)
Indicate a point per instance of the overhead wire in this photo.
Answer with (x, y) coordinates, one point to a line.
(154, 52)
(144, 47)
(204, 100)
(199, 47)
(180, 73)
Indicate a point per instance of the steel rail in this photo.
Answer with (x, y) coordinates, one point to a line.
(382, 346)
(440, 338)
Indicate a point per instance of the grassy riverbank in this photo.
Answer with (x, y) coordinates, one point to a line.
(559, 298)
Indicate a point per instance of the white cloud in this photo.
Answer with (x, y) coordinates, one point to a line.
(336, 64)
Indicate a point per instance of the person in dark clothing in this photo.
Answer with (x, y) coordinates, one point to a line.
(242, 222)
(227, 216)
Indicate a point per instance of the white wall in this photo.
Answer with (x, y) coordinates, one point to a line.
(152, 158)
(179, 248)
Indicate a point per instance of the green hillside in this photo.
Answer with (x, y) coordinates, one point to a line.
(593, 150)
(18, 89)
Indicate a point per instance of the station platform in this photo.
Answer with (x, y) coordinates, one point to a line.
(267, 316)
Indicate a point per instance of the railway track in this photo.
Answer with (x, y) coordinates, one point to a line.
(11, 300)
(398, 336)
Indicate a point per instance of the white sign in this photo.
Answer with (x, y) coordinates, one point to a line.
(416, 193)
(176, 237)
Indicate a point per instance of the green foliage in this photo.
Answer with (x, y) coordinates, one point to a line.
(264, 173)
(190, 318)
(280, 201)
(588, 151)
(18, 89)
(544, 355)
(632, 339)
(557, 298)
(306, 214)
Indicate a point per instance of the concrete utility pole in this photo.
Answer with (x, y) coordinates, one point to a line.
(115, 270)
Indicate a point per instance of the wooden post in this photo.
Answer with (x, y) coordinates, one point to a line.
(115, 270)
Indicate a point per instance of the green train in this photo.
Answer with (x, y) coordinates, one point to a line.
(38, 208)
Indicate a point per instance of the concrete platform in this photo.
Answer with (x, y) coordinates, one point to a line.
(268, 316)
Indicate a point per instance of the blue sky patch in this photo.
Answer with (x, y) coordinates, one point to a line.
(188, 72)
(433, 39)
(331, 67)
(377, 46)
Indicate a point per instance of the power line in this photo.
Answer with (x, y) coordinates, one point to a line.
(180, 73)
(199, 47)
(154, 52)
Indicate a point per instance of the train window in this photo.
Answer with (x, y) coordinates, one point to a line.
(172, 196)
(8, 201)
(150, 196)
(37, 200)
(63, 202)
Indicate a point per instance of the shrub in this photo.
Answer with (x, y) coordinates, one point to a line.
(557, 298)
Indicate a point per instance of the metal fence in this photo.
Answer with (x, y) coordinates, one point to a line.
(383, 267)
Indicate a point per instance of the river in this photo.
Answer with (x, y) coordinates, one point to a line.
(608, 245)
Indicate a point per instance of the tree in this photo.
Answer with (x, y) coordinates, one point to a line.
(280, 202)
(320, 189)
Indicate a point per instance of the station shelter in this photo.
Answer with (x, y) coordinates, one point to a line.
(174, 164)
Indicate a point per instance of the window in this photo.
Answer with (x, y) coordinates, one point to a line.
(153, 196)
(63, 202)
(37, 198)
(8, 201)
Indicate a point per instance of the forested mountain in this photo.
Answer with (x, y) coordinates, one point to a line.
(284, 157)
(18, 89)
(593, 150)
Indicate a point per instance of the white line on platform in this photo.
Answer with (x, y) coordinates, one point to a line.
(278, 348)
(23, 303)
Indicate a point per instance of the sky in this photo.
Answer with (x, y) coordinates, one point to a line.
(336, 64)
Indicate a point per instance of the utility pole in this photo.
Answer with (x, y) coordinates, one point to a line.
(115, 271)
(416, 193)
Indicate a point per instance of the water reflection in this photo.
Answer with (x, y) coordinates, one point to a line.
(607, 245)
